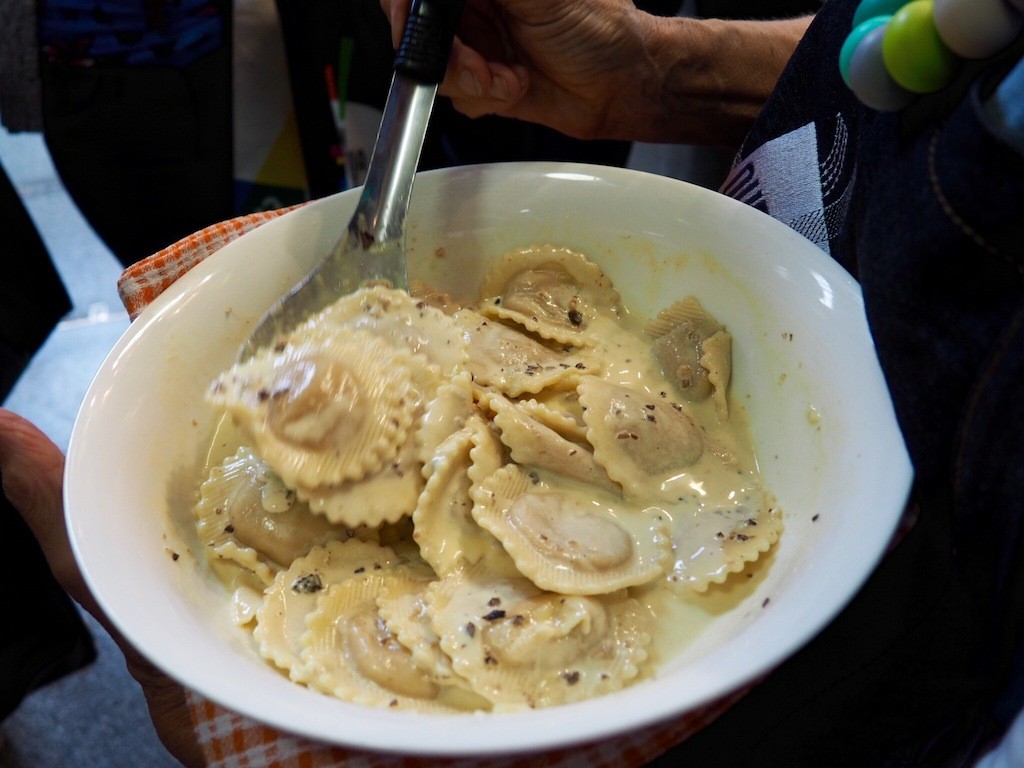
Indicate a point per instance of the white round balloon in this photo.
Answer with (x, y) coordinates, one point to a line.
(978, 29)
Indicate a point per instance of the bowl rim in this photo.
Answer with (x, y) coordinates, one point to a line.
(636, 707)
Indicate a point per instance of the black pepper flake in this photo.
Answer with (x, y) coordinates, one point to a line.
(308, 584)
(571, 677)
(490, 660)
(393, 703)
(494, 601)
(534, 477)
(229, 528)
(814, 518)
(262, 395)
(650, 418)
(751, 521)
(580, 366)
(494, 615)
(575, 317)
(175, 556)
(741, 537)
(649, 407)
(470, 629)
(765, 603)
(517, 620)
(360, 569)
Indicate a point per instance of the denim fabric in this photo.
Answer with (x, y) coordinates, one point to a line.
(924, 208)
(1005, 109)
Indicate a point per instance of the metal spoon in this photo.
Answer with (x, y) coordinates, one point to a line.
(371, 250)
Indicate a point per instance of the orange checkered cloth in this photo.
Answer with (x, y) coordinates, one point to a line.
(145, 280)
(230, 740)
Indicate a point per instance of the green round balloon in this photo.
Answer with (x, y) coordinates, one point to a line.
(914, 53)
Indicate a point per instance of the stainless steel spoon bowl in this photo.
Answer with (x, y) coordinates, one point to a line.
(371, 250)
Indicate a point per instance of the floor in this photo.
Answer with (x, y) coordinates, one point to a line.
(95, 718)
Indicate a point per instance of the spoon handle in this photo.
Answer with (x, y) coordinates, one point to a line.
(427, 39)
(420, 64)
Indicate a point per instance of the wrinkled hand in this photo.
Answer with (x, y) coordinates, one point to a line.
(561, 64)
(32, 468)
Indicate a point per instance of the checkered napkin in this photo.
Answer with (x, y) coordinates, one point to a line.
(229, 740)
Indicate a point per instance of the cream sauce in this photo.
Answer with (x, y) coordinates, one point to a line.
(719, 515)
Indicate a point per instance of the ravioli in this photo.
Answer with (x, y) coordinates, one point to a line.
(281, 620)
(520, 646)
(322, 408)
(511, 361)
(694, 351)
(348, 650)
(641, 441)
(569, 541)
(444, 528)
(245, 515)
(554, 292)
(533, 444)
(441, 506)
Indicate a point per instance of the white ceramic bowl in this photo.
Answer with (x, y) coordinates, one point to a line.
(804, 365)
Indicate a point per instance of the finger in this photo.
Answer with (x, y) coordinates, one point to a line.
(500, 91)
(472, 77)
(397, 11)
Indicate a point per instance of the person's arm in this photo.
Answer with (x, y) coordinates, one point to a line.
(708, 79)
(604, 69)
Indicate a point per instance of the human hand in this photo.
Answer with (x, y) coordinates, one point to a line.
(603, 69)
(32, 468)
(556, 63)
